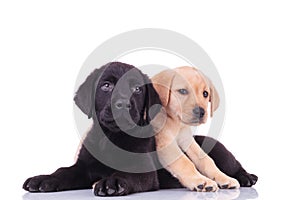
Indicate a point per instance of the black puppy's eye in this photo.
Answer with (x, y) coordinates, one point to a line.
(137, 89)
(183, 91)
(107, 87)
(205, 94)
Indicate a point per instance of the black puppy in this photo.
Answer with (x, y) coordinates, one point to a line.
(116, 95)
(118, 154)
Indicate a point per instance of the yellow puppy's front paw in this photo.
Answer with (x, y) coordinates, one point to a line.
(201, 184)
(226, 182)
(209, 186)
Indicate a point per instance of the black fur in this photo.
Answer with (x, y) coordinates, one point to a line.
(99, 105)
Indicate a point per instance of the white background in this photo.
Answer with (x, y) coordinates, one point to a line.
(254, 44)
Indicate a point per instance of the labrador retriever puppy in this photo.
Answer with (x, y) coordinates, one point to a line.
(117, 97)
(185, 94)
(121, 102)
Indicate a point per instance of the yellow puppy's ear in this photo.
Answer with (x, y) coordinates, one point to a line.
(162, 83)
(214, 98)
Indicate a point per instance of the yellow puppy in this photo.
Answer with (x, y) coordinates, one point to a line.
(185, 94)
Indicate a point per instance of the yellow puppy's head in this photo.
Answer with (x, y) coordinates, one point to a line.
(185, 93)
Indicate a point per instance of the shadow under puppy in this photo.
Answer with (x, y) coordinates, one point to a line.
(117, 97)
(185, 94)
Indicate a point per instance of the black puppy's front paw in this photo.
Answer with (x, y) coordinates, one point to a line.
(42, 183)
(245, 179)
(111, 186)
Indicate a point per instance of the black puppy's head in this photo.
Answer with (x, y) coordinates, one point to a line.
(119, 96)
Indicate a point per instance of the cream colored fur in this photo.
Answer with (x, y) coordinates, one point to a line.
(194, 169)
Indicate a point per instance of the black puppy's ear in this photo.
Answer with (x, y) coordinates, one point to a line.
(85, 95)
(153, 103)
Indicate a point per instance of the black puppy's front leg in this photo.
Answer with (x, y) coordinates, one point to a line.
(65, 178)
(121, 183)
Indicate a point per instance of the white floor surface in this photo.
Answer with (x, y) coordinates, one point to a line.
(178, 194)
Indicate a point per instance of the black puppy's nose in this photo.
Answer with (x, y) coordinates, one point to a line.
(198, 111)
(123, 104)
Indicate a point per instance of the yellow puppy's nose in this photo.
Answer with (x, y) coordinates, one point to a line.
(199, 112)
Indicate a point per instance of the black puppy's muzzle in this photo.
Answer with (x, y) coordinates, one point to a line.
(123, 109)
(198, 112)
(123, 104)
(124, 113)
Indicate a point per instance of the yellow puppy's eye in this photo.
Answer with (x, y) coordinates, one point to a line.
(205, 94)
(183, 91)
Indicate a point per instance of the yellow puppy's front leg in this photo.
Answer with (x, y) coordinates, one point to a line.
(207, 167)
(187, 174)
(177, 163)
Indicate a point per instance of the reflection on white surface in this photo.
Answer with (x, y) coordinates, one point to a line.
(180, 194)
